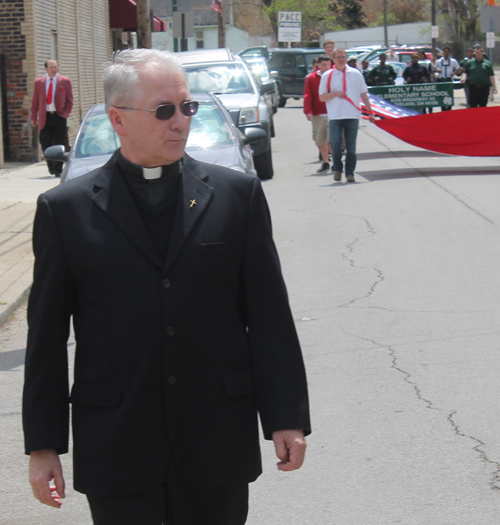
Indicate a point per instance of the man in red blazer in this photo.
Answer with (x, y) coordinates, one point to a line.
(50, 107)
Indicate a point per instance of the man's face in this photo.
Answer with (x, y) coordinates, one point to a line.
(51, 68)
(414, 60)
(446, 54)
(146, 140)
(382, 59)
(329, 49)
(324, 65)
(365, 64)
(470, 54)
(340, 59)
(479, 53)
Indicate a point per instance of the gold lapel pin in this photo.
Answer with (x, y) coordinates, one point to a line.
(193, 203)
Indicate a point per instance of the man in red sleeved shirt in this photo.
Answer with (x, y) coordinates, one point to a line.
(315, 110)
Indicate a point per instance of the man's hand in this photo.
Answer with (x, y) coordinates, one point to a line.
(33, 123)
(44, 467)
(309, 116)
(290, 448)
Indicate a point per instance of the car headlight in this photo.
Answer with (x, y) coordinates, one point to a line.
(249, 115)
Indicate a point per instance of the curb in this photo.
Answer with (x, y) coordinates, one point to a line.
(14, 305)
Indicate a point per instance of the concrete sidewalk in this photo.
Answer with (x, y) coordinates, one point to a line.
(20, 186)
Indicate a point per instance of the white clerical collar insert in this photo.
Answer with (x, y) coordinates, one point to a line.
(151, 173)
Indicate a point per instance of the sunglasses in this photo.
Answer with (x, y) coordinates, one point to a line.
(167, 111)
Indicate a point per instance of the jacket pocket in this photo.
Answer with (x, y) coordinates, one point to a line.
(86, 394)
(238, 383)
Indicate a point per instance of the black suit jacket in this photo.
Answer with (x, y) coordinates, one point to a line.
(174, 359)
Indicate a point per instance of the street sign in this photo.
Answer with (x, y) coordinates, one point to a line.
(490, 39)
(437, 94)
(289, 26)
(435, 32)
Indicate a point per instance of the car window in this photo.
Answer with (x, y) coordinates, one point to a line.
(219, 79)
(97, 137)
(288, 62)
(209, 128)
(275, 61)
(309, 60)
(299, 61)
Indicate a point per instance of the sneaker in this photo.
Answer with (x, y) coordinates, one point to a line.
(324, 168)
(337, 175)
(350, 178)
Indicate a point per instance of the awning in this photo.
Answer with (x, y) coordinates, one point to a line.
(123, 15)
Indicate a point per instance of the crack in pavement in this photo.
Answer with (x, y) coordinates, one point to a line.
(494, 482)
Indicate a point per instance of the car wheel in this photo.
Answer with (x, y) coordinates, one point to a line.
(264, 165)
(281, 99)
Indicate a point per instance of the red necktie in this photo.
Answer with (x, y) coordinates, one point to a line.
(49, 94)
(345, 91)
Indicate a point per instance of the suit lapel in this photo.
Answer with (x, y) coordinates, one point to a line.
(114, 199)
(194, 197)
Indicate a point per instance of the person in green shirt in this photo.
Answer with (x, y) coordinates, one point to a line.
(364, 71)
(479, 75)
(383, 74)
(469, 56)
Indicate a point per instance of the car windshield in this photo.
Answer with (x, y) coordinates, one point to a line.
(97, 137)
(209, 128)
(219, 79)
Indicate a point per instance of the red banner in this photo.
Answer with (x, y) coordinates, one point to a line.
(473, 132)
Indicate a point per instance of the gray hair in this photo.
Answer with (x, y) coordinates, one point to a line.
(121, 75)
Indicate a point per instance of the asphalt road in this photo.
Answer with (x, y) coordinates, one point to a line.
(394, 284)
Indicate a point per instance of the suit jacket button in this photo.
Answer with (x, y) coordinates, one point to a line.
(171, 380)
(170, 330)
(166, 283)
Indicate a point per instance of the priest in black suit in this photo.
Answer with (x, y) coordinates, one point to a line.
(184, 335)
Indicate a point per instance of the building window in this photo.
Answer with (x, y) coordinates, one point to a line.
(199, 39)
(53, 45)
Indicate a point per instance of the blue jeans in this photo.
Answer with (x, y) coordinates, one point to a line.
(350, 127)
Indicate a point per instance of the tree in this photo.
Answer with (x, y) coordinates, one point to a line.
(460, 19)
(349, 13)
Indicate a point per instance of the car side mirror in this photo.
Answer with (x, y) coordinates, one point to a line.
(267, 87)
(56, 153)
(253, 135)
(274, 74)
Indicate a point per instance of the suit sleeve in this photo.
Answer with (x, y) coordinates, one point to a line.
(279, 373)
(45, 395)
(68, 102)
(34, 105)
(308, 96)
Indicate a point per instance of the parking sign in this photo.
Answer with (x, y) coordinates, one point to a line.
(289, 26)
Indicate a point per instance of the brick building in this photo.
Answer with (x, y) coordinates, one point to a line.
(78, 34)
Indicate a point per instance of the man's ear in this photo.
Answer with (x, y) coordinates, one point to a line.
(117, 119)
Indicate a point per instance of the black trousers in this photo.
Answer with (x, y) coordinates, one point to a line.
(54, 132)
(174, 503)
(478, 95)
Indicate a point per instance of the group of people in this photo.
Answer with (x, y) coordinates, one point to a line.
(332, 95)
(333, 91)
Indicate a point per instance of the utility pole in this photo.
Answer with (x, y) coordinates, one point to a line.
(174, 10)
(386, 39)
(221, 27)
(143, 23)
(433, 8)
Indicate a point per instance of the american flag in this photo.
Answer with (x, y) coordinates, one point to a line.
(217, 6)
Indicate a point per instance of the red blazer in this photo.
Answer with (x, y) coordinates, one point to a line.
(63, 99)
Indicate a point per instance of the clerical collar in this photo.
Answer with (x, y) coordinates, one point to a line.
(146, 174)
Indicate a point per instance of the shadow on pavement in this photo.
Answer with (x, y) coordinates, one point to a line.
(398, 154)
(11, 359)
(428, 172)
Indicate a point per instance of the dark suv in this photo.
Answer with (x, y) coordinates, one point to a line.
(290, 67)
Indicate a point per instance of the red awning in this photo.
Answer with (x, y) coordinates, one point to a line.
(122, 15)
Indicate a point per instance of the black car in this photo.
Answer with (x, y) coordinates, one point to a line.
(220, 72)
(290, 67)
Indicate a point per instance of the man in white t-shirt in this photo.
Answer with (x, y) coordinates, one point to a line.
(341, 89)
(447, 67)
